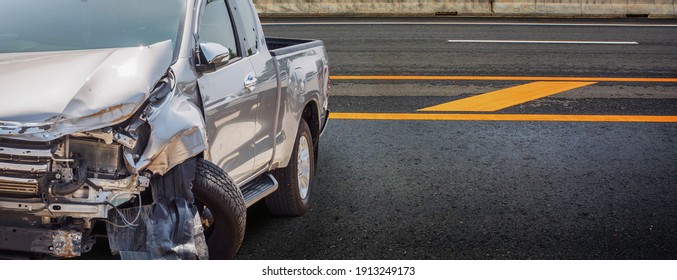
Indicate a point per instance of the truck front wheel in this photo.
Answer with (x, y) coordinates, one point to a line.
(293, 195)
(222, 210)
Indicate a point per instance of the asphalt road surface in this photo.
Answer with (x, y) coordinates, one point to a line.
(562, 186)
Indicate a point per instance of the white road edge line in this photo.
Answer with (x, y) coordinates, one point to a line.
(544, 42)
(470, 23)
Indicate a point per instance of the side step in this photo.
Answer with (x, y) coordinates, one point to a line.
(258, 189)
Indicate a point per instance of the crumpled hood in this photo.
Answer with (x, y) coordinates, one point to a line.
(50, 94)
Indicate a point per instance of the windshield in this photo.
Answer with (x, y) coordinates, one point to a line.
(54, 25)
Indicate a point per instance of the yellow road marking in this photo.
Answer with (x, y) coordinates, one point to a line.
(507, 78)
(504, 98)
(500, 117)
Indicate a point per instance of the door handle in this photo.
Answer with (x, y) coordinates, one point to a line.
(250, 82)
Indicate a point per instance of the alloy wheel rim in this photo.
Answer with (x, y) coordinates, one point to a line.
(303, 167)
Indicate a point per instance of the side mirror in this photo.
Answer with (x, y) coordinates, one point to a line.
(214, 54)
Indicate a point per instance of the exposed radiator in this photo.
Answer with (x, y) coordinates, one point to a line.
(22, 165)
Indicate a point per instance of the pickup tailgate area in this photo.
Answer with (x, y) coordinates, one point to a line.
(303, 87)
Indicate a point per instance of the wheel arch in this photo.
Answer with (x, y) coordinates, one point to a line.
(311, 114)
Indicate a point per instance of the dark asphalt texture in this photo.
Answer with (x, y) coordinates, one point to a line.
(487, 190)
(423, 49)
(482, 190)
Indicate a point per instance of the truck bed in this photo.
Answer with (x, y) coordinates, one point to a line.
(282, 46)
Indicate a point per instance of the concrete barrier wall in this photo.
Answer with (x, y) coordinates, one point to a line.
(558, 8)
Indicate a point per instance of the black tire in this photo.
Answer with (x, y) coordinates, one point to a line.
(217, 196)
(287, 200)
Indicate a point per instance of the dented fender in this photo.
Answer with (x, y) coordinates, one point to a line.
(177, 134)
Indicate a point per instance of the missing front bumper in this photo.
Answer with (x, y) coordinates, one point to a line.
(57, 243)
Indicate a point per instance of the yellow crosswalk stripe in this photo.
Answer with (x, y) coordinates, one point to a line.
(504, 98)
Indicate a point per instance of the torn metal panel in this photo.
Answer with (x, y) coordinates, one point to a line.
(103, 87)
(170, 228)
(177, 133)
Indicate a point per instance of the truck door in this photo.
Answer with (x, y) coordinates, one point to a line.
(229, 96)
(266, 75)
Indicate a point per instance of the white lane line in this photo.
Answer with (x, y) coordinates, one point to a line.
(544, 42)
(470, 23)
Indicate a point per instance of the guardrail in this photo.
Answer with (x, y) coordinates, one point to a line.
(558, 8)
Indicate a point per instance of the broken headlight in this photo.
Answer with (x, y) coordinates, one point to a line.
(109, 153)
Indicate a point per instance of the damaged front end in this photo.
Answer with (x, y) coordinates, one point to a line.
(129, 165)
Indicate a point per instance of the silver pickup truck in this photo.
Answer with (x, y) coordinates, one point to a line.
(153, 122)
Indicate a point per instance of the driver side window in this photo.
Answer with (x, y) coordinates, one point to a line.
(216, 27)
